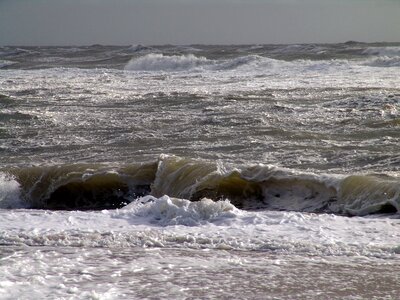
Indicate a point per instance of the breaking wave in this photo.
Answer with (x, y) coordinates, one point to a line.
(10, 192)
(383, 51)
(156, 62)
(160, 62)
(248, 187)
(173, 211)
(190, 62)
(374, 57)
(79, 186)
(384, 61)
(383, 56)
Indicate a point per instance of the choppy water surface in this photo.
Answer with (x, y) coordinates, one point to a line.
(189, 170)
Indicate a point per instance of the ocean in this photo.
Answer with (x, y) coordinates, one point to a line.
(200, 172)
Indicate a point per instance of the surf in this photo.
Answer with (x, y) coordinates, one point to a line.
(248, 187)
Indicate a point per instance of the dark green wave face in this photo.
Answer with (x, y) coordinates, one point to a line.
(97, 187)
(328, 110)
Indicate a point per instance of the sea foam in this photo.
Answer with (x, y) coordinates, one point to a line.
(10, 193)
(173, 211)
(384, 61)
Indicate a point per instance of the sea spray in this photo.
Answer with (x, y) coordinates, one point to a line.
(10, 192)
(173, 211)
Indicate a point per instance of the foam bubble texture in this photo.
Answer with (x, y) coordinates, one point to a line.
(174, 211)
(9, 192)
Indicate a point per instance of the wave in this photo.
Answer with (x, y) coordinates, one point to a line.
(160, 62)
(250, 61)
(247, 187)
(173, 211)
(156, 62)
(383, 56)
(4, 98)
(383, 51)
(10, 192)
(79, 186)
(190, 62)
(6, 63)
(300, 49)
(384, 61)
(140, 48)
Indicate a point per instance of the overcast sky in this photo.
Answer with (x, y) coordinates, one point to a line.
(126, 22)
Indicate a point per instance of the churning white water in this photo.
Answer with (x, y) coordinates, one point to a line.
(191, 172)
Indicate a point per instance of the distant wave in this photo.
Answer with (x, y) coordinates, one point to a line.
(383, 51)
(247, 187)
(300, 49)
(190, 62)
(251, 61)
(140, 48)
(384, 61)
(160, 62)
(383, 56)
(6, 63)
(156, 62)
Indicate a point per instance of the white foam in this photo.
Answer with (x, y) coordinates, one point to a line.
(384, 61)
(383, 56)
(178, 223)
(174, 211)
(10, 194)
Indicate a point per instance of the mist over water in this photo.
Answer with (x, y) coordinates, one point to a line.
(157, 159)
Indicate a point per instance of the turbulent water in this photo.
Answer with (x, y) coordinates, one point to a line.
(182, 172)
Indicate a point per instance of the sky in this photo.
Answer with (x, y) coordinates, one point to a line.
(157, 22)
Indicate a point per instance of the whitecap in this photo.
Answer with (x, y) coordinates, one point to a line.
(10, 193)
(383, 51)
(160, 62)
(174, 211)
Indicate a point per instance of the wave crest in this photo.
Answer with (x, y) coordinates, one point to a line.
(383, 56)
(83, 186)
(160, 62)
(383, 51)
(10, 192)
(246, 187)
(384, 61)
(190, 62)
(174, 211)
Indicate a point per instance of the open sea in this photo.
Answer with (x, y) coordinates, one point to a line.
(200, 172)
